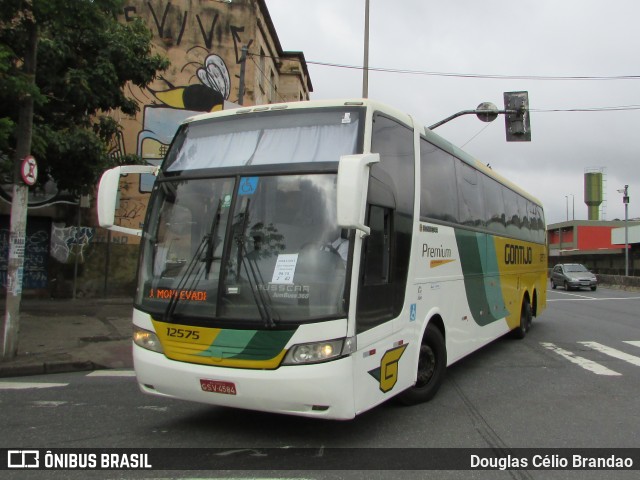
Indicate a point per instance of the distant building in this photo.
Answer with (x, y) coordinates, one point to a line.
(597, 244)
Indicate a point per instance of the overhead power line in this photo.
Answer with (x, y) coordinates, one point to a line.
(587, 109)
(467, 75)
(480, 75)
(495, 77)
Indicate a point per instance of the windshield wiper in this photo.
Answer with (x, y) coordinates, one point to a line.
(261, 298)
(208, 243)
(184, 278)
(211, 240)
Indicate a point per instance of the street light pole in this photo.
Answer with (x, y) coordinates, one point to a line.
(573, 206)
(365, 69)
(625, 200)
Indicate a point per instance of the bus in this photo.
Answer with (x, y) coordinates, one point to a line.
(318, 258)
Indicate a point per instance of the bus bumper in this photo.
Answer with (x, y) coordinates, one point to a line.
(322, 390)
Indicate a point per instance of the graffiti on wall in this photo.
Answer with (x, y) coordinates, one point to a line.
(35, 267)
(166, 20)
(131, 212)
(198, 43)
(66, 242)
(207, 96)
(203, 81)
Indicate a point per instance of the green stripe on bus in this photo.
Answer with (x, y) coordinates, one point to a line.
(248, 344)
(481, 277)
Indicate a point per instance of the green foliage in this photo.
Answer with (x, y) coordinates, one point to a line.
(85, 58)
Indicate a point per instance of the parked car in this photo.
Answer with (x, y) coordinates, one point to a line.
(572, 275)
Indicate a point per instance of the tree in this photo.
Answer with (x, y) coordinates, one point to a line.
(85, 59)
(63, 64)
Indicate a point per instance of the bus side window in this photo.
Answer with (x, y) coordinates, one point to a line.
(378, 246)
(390, 198)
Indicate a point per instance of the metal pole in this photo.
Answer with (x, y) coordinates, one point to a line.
(560, 237)
(365, 70)
(243, 62)
(107, 260)
(625, 199)
(566, 197)
(75, 259)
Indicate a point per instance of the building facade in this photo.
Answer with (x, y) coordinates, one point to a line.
(599, 245)
(223, 54)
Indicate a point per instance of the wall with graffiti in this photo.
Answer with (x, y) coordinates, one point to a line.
(36, 253)
(203, 41)
(56, 257)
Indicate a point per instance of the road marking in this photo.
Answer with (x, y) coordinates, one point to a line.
(580, 297)
(612, 352)
(154, 408)
(583, 298)
(48, 403)
(580, 361)
(634, 343)
(27, 385)
(112, 373)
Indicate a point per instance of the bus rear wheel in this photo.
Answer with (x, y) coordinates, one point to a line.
(526, 316)
(432, 363)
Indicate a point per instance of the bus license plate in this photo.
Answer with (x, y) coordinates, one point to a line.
(217, 386)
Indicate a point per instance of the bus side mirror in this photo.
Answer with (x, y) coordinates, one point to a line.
(108, 195)
(353, 181)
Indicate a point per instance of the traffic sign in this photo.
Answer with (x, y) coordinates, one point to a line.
(29, 170)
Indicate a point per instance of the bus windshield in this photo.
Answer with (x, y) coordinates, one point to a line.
(225, 242)
(271, 252)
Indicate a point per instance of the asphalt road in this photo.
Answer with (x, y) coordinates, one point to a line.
(573, 382)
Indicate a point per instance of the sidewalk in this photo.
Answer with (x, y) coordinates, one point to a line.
(71, 335)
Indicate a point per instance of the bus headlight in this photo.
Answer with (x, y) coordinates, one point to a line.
(146, 339)
(318, 352)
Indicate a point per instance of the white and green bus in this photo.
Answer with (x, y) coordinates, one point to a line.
(318, 258)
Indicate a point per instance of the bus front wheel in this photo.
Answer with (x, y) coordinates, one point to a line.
(432, 363)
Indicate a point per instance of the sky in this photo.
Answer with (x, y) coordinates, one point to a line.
(545, 44)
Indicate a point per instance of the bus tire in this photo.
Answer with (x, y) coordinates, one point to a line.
(432, 364)
(525, 321)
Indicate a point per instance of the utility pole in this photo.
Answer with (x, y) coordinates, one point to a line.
(625, 200)
(365, 70)
(19, 204)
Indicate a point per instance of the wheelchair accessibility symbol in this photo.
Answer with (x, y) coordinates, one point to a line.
(247, 185)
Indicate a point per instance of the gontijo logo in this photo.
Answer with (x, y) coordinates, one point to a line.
(387, 372)
(517, 255)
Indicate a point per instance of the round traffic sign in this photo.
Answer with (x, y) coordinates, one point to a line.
(29, 170)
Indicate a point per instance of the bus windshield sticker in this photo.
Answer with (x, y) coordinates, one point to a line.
(346, 118)
(248, 185)
(285, 268)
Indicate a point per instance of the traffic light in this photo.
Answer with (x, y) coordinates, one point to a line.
(517, 123)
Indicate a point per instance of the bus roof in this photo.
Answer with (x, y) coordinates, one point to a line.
(372, 106)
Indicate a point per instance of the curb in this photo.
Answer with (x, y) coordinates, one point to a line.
(47, 368)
